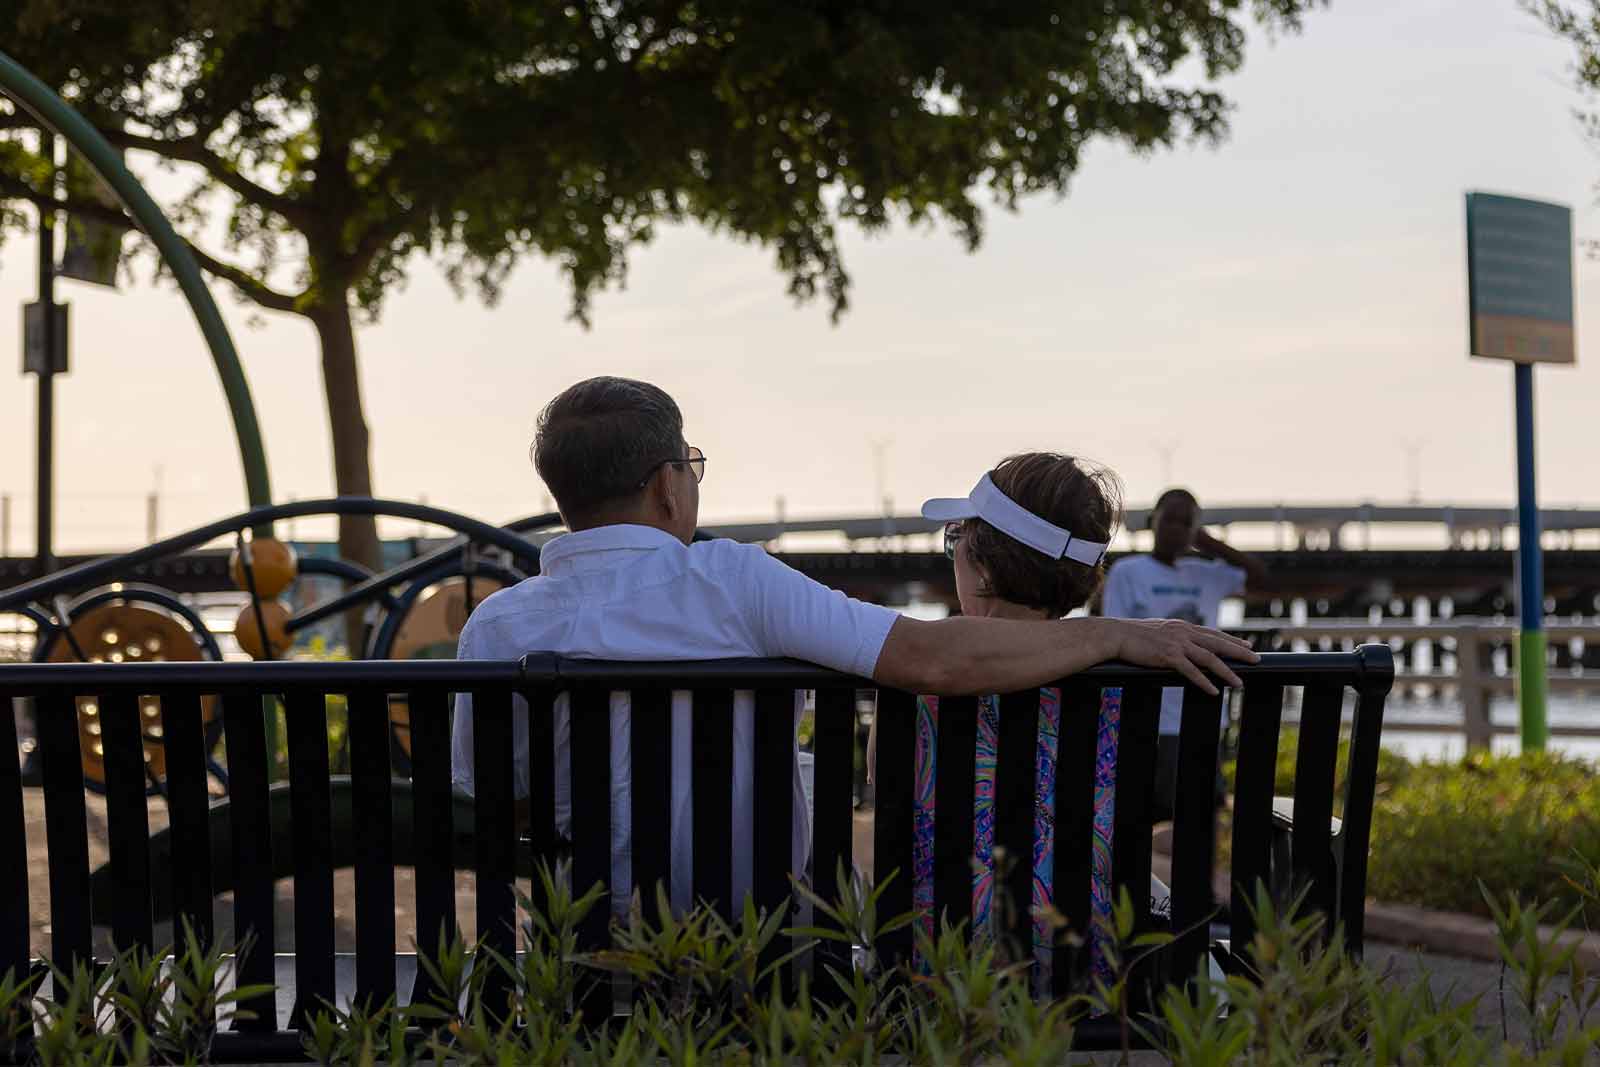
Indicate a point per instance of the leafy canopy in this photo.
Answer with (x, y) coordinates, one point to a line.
(347, 138)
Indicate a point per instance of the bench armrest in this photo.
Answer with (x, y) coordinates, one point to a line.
(1283, 817)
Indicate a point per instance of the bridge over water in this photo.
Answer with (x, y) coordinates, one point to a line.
(1313, 526)
(1341, 560)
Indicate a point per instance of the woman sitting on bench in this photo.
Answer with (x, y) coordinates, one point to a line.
(1029, 542)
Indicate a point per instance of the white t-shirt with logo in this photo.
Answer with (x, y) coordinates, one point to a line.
(1142, 587)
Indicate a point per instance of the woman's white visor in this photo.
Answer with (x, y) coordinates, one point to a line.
(988, 503)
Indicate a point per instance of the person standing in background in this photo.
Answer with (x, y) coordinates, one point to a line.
(1187, 575)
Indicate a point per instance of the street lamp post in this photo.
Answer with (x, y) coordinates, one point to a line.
(43, 355)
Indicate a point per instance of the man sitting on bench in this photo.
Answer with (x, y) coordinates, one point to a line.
(629, 583)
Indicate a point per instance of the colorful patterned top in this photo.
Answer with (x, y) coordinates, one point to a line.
(987, 748)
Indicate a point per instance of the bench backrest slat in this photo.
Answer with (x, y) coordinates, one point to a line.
(773, 788)
(311, 816)
(832, 818)
(14, 902)
(433, 827)
(244, 733)
(954, 773)
(541, 701)
(494, 830)
(1360, 792)
(711, 783)
(66, 830)
(894, 780)
(1015, 792)
(591, 814)
(1260, 719)
(651, 797)
(183, 737)
(372, 815)
(127, 818)
(1194, 804)
(1311, 841)
(1074, 857)
(1133, 818)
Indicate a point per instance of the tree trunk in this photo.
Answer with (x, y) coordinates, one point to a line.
(352, 467)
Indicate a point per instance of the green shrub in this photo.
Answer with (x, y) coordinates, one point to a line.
(1393, 768)
(1439, 829)
(1510, 822)
(1307, 1005)
(142, 1009)
(704, 994)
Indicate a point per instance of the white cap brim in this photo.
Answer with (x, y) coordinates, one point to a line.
(949, 509)
(988, 503)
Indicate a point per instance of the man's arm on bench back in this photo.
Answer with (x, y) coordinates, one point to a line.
(792, 615)
(973, 655)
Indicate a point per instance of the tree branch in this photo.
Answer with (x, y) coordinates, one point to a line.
(244, 281)
(372, 242)
(241, 279)
(379, 234)
(111, 215)
(193, 150)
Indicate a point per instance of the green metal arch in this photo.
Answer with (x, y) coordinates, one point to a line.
(40, 100)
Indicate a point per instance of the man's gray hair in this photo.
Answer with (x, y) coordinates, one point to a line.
(600, 438)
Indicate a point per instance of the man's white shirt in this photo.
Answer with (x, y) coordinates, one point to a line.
(629, 592)
(1142, 587)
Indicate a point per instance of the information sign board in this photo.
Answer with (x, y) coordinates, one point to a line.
(1519, 279)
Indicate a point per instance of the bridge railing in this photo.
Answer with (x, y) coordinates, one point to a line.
(1460, 657)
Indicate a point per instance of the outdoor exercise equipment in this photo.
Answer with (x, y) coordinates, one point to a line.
(429, 625)
(270, 617)
(264, 566)
(132, 624)
(419, 607)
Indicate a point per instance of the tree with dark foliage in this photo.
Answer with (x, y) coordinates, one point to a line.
(340, 142)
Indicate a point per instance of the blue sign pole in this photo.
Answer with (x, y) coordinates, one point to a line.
(1519, 306)
(1530, 575)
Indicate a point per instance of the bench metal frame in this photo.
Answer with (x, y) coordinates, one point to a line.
(437, 837)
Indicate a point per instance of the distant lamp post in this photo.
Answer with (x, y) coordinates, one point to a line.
(90, 253)
(44, 353)
(55, 114)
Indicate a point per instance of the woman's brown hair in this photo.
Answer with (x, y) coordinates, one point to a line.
(1082, 498)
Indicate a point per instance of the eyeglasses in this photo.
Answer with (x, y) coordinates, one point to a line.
(696, 460)
(952, 538)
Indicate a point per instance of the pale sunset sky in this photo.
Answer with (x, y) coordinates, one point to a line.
(1277, 319)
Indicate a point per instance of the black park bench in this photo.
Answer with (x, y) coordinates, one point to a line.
(301, 828)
